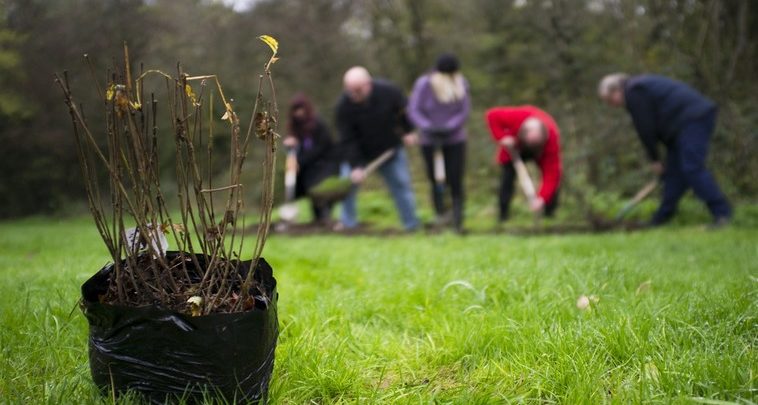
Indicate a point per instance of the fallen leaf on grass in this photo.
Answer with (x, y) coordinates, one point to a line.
(651, 372)
(584, 302)
(644, 287)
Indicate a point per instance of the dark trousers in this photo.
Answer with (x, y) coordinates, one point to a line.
(455, 162)
(506, 193)
(685, 168)
(322, 212)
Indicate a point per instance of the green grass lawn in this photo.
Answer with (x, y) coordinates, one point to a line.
(422, 319)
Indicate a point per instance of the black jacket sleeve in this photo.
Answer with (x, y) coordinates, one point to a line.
(349, 148)
(322, 143)
(643, 115)
(404, 123)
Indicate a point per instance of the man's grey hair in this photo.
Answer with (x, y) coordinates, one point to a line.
(610, 83)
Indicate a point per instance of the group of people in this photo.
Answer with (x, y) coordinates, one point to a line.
(373, 117)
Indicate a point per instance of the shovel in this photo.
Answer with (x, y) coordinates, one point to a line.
(336, 188)
(527, 186)
(439, 169)
(288, 212)
(438, 136)
(645, 191)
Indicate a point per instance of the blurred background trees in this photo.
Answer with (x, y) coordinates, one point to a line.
(545, 52)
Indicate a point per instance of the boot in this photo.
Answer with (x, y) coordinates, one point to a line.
(458, 214)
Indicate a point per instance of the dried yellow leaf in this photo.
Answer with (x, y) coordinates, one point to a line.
(191, 94)
(271, 42)
(121, 99)
(110, 92)
(261, 124)
(166, 228)
(229, 114)
(196, 305)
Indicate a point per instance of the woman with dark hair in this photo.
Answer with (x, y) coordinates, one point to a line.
(310, 138)
(439, 107)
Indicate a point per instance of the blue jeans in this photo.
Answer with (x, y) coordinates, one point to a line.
(398, 179)
(685, 168)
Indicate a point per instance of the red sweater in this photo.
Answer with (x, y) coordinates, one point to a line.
(506, 121)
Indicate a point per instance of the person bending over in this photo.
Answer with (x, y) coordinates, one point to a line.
(672, 113)
(535, 136)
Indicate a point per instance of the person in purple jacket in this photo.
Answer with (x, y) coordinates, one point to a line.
(670, 112)
(439, 107)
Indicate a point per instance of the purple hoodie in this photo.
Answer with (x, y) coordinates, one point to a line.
(428, 114)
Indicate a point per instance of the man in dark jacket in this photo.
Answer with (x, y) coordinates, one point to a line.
(673, 113)
(371, 120)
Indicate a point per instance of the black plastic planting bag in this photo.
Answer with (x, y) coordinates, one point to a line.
(166, 356)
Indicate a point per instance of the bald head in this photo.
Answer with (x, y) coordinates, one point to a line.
(357, 83)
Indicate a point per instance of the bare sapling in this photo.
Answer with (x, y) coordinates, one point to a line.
(205, 271)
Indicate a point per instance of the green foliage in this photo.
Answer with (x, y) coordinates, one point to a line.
(13, 105)
(424, 319)
(548, 53)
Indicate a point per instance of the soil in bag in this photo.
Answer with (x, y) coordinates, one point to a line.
(167, 356)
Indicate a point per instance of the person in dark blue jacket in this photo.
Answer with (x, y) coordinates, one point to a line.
(671, 112)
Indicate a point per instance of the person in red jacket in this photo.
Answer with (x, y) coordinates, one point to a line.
(535, 135)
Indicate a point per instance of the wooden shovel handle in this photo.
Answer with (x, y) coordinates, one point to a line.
(645, 191)
(290, 174)
(378, 161)
(523, 175)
